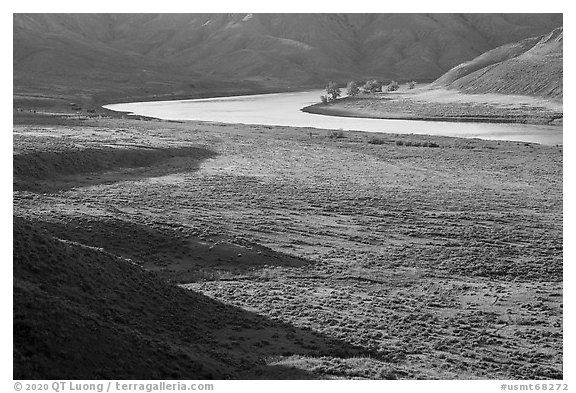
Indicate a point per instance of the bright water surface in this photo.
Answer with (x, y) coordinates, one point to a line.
(284, 109)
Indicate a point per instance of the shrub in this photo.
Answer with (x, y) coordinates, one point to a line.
(417, 144)
(393, 86)
(411, 85)
(376, 141)
(336, 134)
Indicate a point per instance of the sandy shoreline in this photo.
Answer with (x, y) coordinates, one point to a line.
(443, 105)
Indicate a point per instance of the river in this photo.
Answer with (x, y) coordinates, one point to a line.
(284, 109)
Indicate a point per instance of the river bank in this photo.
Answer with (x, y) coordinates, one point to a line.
(90, 102)
(443, 105)
(285, 109)
(319, 253)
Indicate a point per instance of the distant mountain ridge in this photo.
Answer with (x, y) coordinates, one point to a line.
(160, 51)
(533, 66)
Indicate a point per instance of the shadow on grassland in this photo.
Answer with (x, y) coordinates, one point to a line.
(50, 171)
(83, 313)
(177, 253)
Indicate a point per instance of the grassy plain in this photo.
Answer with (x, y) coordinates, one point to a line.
(299, 253)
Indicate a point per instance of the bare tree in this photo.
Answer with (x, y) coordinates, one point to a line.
(352, 89)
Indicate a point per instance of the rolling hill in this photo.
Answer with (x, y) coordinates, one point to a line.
(73, 316)
(188, 54)
(529, 67)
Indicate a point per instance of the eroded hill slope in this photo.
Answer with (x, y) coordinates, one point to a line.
(529, 67)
